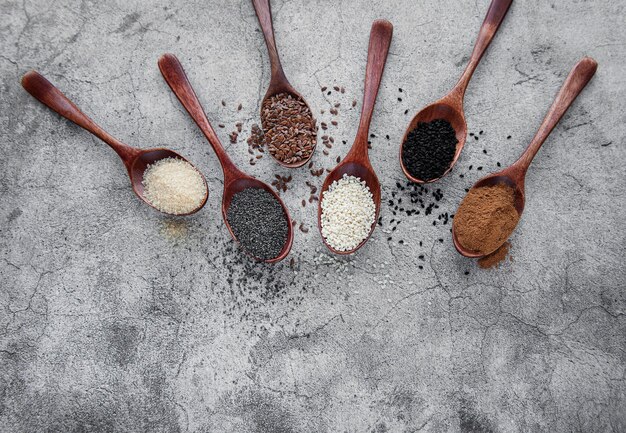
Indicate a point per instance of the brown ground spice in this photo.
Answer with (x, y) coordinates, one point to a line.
(494, 259)
(486, 218)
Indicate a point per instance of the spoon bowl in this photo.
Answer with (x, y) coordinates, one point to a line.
(518, 201)
(366, 173)
(515, 175)
(235, 180)
(278, 81)
(246, 182)
(444, 109)
(357, 163)
(135, 160)
(450, 107)
(140, 163)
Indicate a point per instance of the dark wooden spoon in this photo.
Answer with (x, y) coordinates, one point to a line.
(356, 162)
(450, 107)
(235, 180)
(278, 80)
(136, 160)
(515, 174)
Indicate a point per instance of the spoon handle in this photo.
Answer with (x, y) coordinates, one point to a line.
(495, 15)
(575, 82)
(175, 76)
(380, 39)
(46, 93)
(263, 11)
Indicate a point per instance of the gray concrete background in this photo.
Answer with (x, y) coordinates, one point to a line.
(115, 318)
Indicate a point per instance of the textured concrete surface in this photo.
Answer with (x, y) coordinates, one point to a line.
(115, 318)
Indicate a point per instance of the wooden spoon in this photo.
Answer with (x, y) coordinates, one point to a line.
(356, 162)
(515, 174)
(278, 80)
(136, 160)
(235, 180)
(450, 107)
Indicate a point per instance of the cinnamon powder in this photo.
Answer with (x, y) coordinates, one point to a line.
(486, 218)
(494, 259)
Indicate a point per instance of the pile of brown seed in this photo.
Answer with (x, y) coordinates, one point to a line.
(289, 127)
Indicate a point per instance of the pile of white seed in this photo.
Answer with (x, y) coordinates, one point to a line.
(173, 186)
(348, 213)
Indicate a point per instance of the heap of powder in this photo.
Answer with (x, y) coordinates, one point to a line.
(494, 259)
(289, 127)
(486, 218)
(348, 213)
(259, 223)
(429, 149)
(173, 186)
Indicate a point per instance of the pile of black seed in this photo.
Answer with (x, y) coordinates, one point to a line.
(259, 223)
(429, 149)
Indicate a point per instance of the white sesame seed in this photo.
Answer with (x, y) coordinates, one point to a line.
(348, 213)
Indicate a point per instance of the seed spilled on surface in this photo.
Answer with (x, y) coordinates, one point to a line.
(289, 127)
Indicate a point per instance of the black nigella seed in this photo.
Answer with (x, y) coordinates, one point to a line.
(429, 149)
(508, 138)
(400, 89)
(498, 164)
(485, 151)
(399, 99)
(406, 111)
(481, 132)
(258, 222)
(466, 272)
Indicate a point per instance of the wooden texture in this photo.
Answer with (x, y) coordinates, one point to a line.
(515, 174)
(235, 180)
(136, 160)
(450, 107)
(278, 80)
(357, 163)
